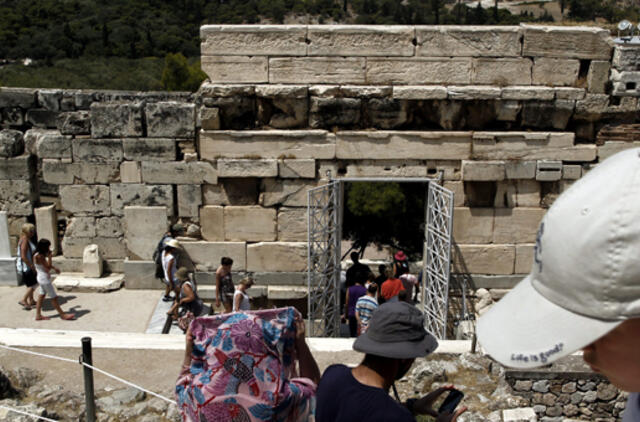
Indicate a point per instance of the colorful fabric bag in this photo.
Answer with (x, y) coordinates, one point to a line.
(243, 370)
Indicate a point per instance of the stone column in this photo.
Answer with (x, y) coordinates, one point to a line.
(8, 274)
(47, 225)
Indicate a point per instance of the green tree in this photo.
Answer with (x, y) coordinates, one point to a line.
(178, 75)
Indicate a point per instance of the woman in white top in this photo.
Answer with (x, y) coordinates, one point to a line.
(169, 265)
(240, 297)
(42, 263)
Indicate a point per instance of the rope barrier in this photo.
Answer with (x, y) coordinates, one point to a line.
(91, 367)
(10, 409)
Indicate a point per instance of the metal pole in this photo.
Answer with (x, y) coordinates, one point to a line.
(88, 380)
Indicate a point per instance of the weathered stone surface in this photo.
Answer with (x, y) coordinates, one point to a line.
(548, 170)
(282, 91)
(545, 114)
(387, 113)
(450, 169)
(147, 149)
(457, 187)
(247, 168)
(51, 144)
(139, 275)
(292, 224)
(11, 143)
(473, 92)
(208, 254)
(485, 259)
(287, 192)
(613, 147)
(502, 72)
(64, 173)
(249, 224)
(520, 169)
(74, 123)
(277, 256)
(130, 172)
(297, 169)
(212, 223)
(543, 93)
(472, 41)
(22, 167)
(110, 120)
(366, 91)
(329, 112)
(253, 40)
(236, 69)
(208, 89)
(210, 118)
(565, 93)
(81, 227)
(483, 170)
(242, 191)
(92, 265)
(624, 58)
(49, 99)
(347, 70)
(17, 197)
(316, 144)
(418, 71)
(109, 227)
(97, 150)
(24, 98)
(144, 227)
(506, 194)
(570, 42)
(124, 195)
(405, 145)
(528, 193)
(170, 119)
(508, 111)
(530, 146)
(12, 116)
(47, 225)
(473, 225)
(524, 258)
(42, 118)
(592, 107)
(598, 76)
(571, 171)
(85, 199)
(179, 172)
(555, 72)
(189, 200)
(386, 168)
(110, 247)
(523, 414)
(516, 225)
(360, 40)
(420, 92)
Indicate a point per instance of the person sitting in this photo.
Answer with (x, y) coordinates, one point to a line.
(188, 299)
(396, 336)
(240, 297)
(242, 367)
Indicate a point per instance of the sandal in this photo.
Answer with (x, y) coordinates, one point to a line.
(42, 318)
(68, 317)
(25, 306)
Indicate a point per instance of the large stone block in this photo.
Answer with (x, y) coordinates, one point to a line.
(520, 169)
(47, 225)
(471, 41)
(613, 147)
(598, 76)
(81, 227)
(124, 195)
(111, 247)
(109, 227)
(405, 145)
(24, 98)
(555, 72)
(292, 224)
(147, 149)
(298, 144)
(247, 168)
(566, 93)
(58, 172)
(570, 41)
(287, 192)
(319, 70)
(144, 227)
(624, 58)
(210, 118)
(473, 225)
(8, 273)
(97, 150)
(330, 112)
(22, 167)
(240, 191)
(528, 193)
(253, 40)
(249, 224)
(592, 107)
(484, 259)
(86, 199)
(360, 40)
(418, 71)
(524, 258)
(530, 146)
(277, 257)
(141, 275)
(179, 172)
(212, 223)
(189, 200)
(170, 119)
(208, 254)
(482, 171)
(386, 168)
(516, 225)
(74, 123)
(502, 72)
(109, 120)
(6, 251)
(473, 92)
(548, 170)
(51, 144)
(420, 92)
(450, 169)
(546, 114)
(130, 172)
(275, 91)
(236, 69)
(543, 93)
(42, 118)
(11, 143)
(17, 197)
(297, 169)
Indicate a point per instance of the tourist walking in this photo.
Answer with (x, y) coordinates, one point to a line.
(175, 230)
(365, 306)
(357, 271)
(240, 297)
(409, 282)
(354, 293)
(224, 284)
(42, 262)
(24, 264)
(400, 264)
(169, 267)
(391, 289)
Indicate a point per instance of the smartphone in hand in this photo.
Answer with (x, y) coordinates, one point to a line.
(451, 401)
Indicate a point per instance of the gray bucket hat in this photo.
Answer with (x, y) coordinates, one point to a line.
(396, 331)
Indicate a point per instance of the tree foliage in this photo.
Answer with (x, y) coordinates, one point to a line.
(178, 75)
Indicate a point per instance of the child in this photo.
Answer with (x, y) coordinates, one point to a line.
(365, 306)
(240, 297)
(42, 262)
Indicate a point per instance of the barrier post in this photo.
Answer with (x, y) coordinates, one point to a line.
(88, 380)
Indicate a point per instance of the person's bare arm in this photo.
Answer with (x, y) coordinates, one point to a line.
(236, 302)
(308, 365)
(424, 406)
(218, 293)
(23, 254)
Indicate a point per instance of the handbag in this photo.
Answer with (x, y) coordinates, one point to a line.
(185, 320)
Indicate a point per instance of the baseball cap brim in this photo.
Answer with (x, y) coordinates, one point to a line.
(525, 330)
(396, 349)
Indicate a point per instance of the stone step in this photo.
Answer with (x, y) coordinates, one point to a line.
(77, 282)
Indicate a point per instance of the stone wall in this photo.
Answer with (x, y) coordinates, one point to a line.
(510, 115)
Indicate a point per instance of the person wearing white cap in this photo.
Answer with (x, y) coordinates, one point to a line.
(169, 265)
(583, 291)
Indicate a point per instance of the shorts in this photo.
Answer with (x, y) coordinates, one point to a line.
(48, 290)
(29, 278)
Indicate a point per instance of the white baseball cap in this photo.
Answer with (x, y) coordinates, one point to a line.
(585, 278)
